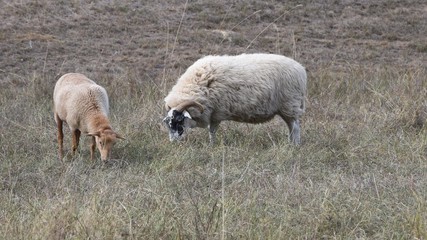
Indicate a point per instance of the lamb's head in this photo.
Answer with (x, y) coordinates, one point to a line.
(178, 119)
(105, 140)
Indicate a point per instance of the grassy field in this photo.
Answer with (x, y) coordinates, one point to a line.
(361, 172)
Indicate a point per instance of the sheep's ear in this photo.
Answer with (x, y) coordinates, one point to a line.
(95, 134)
(187, 114)
(120, 137)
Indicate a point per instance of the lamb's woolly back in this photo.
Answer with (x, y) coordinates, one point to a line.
(78, 98)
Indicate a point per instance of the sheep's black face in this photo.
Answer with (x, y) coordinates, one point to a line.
(175, 122)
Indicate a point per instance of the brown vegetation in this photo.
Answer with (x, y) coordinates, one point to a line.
(360, 172)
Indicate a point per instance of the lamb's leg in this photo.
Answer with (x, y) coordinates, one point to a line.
(212, 131)
(294, 130)
(92, 148)
(76, 139)
(60, 136)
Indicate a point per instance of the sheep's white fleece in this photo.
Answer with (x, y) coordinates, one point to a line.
(250, 88)
(247, 88)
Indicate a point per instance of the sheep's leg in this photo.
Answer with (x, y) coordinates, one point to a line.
(60, 136)
(92, 148)
(212, 132)
(76, 139)
(295, 135)
(294, 130)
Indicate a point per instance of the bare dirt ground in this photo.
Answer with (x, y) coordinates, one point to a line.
(151, 38)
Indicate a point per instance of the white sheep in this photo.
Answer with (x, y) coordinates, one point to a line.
(83, 105)
(250, 88)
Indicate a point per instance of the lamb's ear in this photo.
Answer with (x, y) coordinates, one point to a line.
(120, 137)
(95, 134)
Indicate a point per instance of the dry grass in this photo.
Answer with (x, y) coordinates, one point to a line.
(360, 173)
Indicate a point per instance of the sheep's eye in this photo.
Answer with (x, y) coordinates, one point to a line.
(166, 120)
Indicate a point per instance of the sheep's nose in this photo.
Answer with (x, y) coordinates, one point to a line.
(105, 156)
